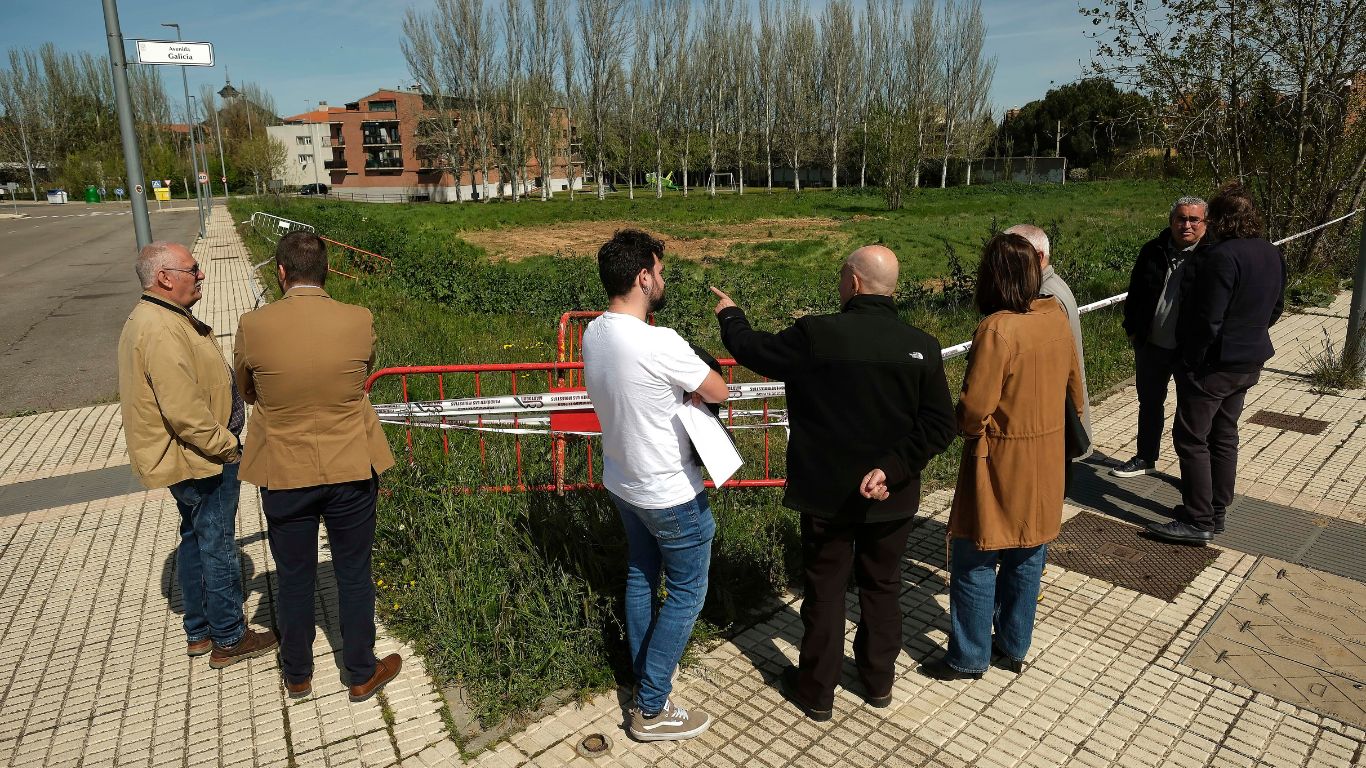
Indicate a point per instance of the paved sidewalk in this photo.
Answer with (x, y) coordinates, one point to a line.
(94, 666)
(95, 672)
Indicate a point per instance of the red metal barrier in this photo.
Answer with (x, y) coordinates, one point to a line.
(561, 445)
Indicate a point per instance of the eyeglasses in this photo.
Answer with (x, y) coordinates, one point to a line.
(1188, 220)
(193, 270)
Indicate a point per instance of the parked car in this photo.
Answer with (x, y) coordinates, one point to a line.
(313, 189)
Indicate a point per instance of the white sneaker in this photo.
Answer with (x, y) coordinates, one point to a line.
(672, 723)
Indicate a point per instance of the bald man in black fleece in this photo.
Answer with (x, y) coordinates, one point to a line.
(869, 407)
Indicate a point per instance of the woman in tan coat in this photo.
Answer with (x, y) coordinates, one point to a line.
(1008, 504)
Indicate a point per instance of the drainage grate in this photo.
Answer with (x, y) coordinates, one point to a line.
(1293, 633)
(1286, 421)
(1110, 550)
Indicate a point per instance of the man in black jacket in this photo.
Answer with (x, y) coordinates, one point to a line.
(1150, 315)
(869, 406)
(1232, 295)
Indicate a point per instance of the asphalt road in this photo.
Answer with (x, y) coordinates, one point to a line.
(67, 284)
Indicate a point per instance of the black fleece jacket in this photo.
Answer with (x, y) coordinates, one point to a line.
(1146, 281)
(865, 390)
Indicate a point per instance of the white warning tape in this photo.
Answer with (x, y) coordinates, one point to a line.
(548, 402)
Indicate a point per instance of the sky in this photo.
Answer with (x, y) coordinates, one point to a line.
(307, 51)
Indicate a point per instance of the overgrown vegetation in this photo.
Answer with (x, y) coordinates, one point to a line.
(515, 596)
(1332, 368)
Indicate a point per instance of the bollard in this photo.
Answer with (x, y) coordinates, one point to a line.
(1356, 338)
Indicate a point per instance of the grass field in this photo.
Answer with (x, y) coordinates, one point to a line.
(513, 596)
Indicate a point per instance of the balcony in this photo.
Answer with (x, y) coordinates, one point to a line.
(334, 165)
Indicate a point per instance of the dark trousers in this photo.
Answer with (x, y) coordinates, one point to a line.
(348, 511)
(829, 550)
(1153, 369)
(1206, 438)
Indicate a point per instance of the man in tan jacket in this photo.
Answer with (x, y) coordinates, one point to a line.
(315, 449)
(181, 421)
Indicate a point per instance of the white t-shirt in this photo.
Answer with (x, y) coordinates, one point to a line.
(637, 376)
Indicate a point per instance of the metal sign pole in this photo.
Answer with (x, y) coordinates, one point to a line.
(142, 224)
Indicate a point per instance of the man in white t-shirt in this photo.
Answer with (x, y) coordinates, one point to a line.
(639, 376)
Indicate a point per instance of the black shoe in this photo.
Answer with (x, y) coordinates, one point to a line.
(1219, 522)
(881, 702)
(1004, 660)
(788, 684)
(1133, 468)
(1180, 533)
(939, 669)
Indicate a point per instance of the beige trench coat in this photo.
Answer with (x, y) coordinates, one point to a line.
(1010, 482)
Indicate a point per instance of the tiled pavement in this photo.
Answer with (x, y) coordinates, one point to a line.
(93, 669)
(97, 675)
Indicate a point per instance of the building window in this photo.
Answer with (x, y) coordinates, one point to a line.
(382, 106)
(303, 140)
(380, 132)
(305, 159)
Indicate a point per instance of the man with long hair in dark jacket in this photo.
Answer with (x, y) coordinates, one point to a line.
(869, 407)
(1150, 315)
(1232, 294)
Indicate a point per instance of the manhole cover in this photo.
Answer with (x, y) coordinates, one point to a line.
(1107, 549)
(1296, 634)
(1286, 421)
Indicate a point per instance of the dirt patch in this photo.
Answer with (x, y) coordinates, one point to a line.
(584, 237)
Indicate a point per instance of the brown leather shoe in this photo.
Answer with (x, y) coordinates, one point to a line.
(251, 645)
(199, 647)
(386, 669)
(299, 690)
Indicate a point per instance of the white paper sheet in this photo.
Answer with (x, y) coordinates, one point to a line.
(713, 445)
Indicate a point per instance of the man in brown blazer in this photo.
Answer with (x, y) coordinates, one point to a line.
(315, 449)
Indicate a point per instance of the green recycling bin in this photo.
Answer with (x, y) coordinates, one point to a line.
(92, 195)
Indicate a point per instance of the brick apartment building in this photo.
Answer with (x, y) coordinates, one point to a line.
(375, 155)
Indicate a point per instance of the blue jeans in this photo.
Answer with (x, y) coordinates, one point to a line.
(207, 565)
(982, 596)
(678, 541)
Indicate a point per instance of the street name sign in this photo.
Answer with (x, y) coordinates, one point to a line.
(185, 54)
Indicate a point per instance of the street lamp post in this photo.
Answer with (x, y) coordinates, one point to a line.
(194, 154)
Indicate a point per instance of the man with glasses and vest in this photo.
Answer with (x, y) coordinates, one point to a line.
(182, 417)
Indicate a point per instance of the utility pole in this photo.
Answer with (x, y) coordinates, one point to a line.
(222, 164)
(194, 153)
(118, 61)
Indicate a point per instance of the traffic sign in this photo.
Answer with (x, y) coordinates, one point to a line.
(182, 53)
(223, 179)
(137, 189)
(156, 183)
(166, 183)
(203, 178)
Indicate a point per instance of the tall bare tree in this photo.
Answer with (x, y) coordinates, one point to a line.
(1269, 93)
(714, 73)
(568, 55)
(740, 55)
(767, 71)
(600, 25)
(839, 70)
(922, 52)
(544, 55)
(797, 93)
(440, 138)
